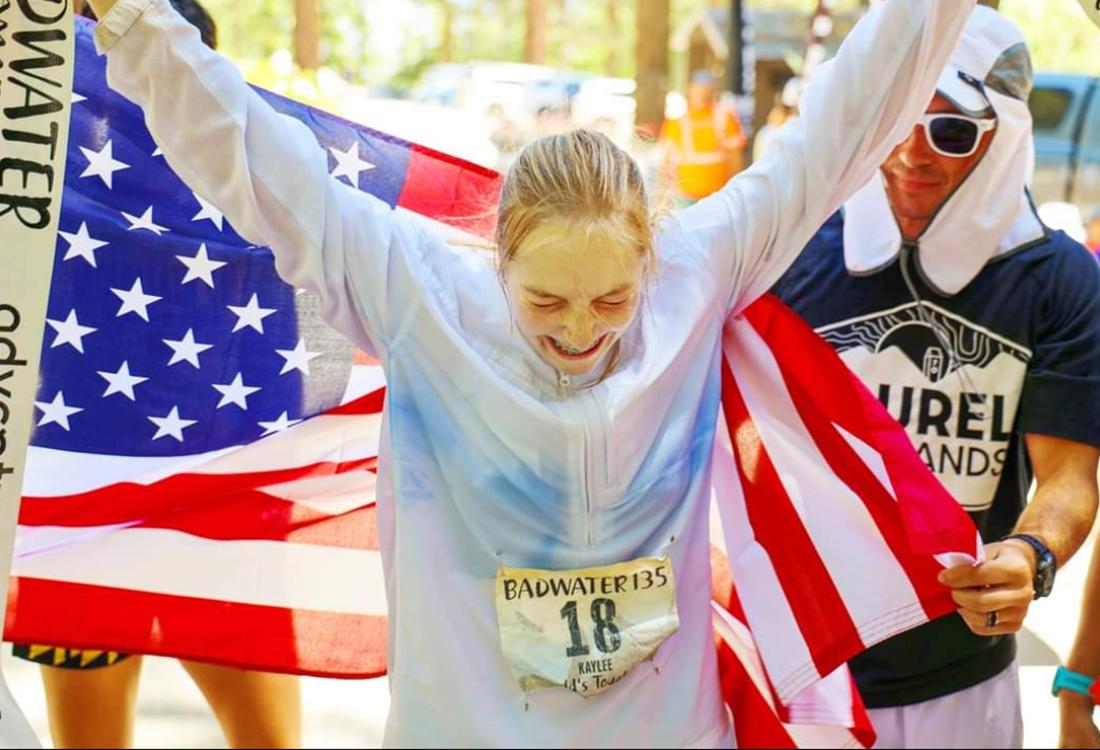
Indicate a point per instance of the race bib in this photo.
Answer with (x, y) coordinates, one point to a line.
(584, 629)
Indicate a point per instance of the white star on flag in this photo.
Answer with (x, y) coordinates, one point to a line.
(200, 267)
(158, 152)
(280, 424)
(77, 98)
(121, 382)
(251, 315)
(135, 300)
(102, 164)
(186, 349)
(207, 211)
(297, 358)
(235, 393)
(171, 424)
(348, 163)
(69, 331)
(145, 221)
(56, 411)
(81, 244)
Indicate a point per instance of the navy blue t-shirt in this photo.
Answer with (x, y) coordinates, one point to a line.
(1016, 351)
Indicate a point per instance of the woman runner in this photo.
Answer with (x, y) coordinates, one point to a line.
(546, 449)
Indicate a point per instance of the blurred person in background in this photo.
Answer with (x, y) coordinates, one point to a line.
(91, 695)
(782, 112)
(1092, 231)
(705, 147)
(979, 329)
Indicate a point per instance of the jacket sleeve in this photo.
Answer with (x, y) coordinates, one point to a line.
(857, 107)
(267, 173)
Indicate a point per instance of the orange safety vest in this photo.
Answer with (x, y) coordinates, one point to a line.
(703, 140)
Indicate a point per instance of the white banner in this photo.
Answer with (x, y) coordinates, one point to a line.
(1092, 8)
(36, 79)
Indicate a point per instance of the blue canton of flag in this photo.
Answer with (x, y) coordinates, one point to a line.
(167, 333)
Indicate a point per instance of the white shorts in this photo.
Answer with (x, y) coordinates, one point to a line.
(985, 715)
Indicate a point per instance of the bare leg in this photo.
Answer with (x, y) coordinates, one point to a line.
(255, 709)
(92, 707)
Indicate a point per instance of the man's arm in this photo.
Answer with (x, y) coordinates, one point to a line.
(1060, 514)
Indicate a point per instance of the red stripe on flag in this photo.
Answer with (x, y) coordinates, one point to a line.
(862, 728)
(273, 639)
(214, 506)
(818, 608)
(451, 190)
(756, 724)
(371, 403)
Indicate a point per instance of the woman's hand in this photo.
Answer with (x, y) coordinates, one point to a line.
(1077, 727)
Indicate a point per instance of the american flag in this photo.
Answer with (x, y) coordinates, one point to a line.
(204, 446)
(201, 477)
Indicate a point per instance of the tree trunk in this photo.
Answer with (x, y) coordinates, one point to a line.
(534, 41)
(611, 64)
(446, 41)
(651, 57)
(307, 34)
(991, 3)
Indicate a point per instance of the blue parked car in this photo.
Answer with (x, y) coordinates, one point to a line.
(1066, 111)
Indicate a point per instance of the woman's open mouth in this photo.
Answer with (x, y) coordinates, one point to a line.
(570, 353)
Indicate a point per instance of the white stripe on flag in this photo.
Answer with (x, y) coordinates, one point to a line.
(737, 636)
(363, 379)
(323, 438)
(162, 561)
(758, 585)
(332, 493)
(841, 528)
(50, 471)
(822, 735)
(871, 458)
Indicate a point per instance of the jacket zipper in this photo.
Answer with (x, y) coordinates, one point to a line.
(587, 460)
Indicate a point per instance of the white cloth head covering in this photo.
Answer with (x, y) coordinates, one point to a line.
(990, 214)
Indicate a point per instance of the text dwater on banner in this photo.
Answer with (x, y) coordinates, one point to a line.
(36, 74)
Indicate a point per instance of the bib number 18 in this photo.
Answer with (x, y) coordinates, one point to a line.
(605, 634)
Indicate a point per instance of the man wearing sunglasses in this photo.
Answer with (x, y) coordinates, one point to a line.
(979, 330)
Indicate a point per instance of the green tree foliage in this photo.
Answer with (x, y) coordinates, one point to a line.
(1059, 33)
(250, 31)
(583, 35)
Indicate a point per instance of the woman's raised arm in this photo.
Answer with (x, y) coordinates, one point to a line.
(264, 171)
(857, 108)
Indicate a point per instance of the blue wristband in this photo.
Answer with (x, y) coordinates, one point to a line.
(1066, 679)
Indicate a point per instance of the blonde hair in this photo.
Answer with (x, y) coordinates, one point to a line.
(580, 176)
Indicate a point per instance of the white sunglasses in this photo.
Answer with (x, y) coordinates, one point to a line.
(954, 135)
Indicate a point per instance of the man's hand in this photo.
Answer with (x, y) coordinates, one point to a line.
(1001, 584)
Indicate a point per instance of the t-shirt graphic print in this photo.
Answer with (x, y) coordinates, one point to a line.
(955, 387)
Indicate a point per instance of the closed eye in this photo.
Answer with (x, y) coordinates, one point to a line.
(545, 305)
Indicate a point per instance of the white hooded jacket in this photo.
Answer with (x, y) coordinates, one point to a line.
(487, 455)
(993, 59)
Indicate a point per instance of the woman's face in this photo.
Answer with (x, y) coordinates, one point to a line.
(573, 292)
